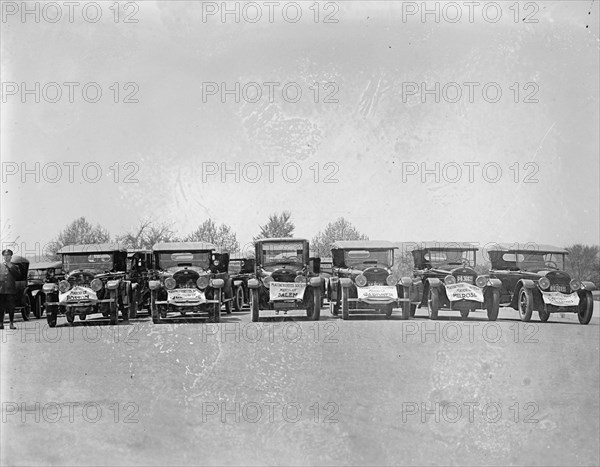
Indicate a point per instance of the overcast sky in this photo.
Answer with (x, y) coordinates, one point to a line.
(370, 132)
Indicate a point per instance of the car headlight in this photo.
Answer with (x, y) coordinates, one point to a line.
(449, 279)
(360, 280)
(300, 279)
(96, 285)
(49, 288)
(391, 280)
(575, 284)
(481, 281)
(267, 281)
(63, 286)
(203, 282)
(544, 283)
(170, 283)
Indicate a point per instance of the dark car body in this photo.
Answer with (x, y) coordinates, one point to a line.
(284, 279)
(139, 265)
(241, 270)
(189, 277)
(39, 274)
(23, 299)
(95, 282)
(362, 279)
(533, 279)
(449, 281)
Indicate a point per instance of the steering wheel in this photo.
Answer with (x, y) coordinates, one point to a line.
(552, 264)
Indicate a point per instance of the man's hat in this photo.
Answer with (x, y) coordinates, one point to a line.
(7, 252)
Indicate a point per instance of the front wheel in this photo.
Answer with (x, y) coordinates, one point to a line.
(586, 307)
(154, 310)
(70, 317)
(112, 311)
(254, 305)
(464, 314)
(413, 309)
(38, 306)
(544, 316)
(334, 308)
(525, 304)
(316, 306)
(345, 305)
(51, 315)
(217, 306)
(493, 305)
(389, 309)
(133, 306)
(26, 307)
(433, 303)
(238, 302)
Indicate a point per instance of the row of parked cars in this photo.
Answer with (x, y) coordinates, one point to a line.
(191, 278)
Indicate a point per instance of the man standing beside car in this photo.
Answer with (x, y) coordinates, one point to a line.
(9, 273)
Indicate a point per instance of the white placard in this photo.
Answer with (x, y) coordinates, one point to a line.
(287, 291)
(178, 296)
(560, 299)
(464, 291)
(77, 294)
(377, 292)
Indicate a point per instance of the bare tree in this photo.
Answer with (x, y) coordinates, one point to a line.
(583, 262)
(279, 225)
(221, 236)
(147, 234)
(78, 232)
(341, 229)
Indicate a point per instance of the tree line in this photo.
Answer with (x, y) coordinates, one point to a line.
(582, 263)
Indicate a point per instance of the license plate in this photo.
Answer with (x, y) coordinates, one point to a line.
(467, 279)
(558, 288)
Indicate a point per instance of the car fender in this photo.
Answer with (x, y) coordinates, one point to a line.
(253, 283)
(587, 285)
(238, 283)
(434, 282)
(345, 282)
(315, 282)
(527, 283)
(493, 282)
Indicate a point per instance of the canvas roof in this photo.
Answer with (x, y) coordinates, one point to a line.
(361, 244)
(92, 248)
(183, 246)
(45, 265)
(444, 246)
(526, 247)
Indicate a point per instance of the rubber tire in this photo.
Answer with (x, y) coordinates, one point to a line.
(113, 310)
(413, 309)
(238, 298)
(586, 310)
(317, 302)
(216, 318)
(133, 306)
(493, 305)
(70, 317)
(51, 315)
(433, 303)
(464, 314)
(154, 310)
(229, 306)
(38, 308)
(345, 305)
(254, 305)
(544, 316)
(525, 304)
(389, 309)
(82, 316)
(26, 312)
(405, 311)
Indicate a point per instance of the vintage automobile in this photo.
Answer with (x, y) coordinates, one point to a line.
(94, 282)
(363, 281)
(139, 265)
(449, 281)
(38, 275)
(23, 299)
(189, 277)
(241, 270)
(326, 271)
(533, 278)
(283, 278)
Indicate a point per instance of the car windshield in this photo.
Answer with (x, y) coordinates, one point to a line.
(235, 266)
(36, 274)
(96, 262)
(534, 261)
(365, 257)
(284, 252)
(439, 258)
(199, 259)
